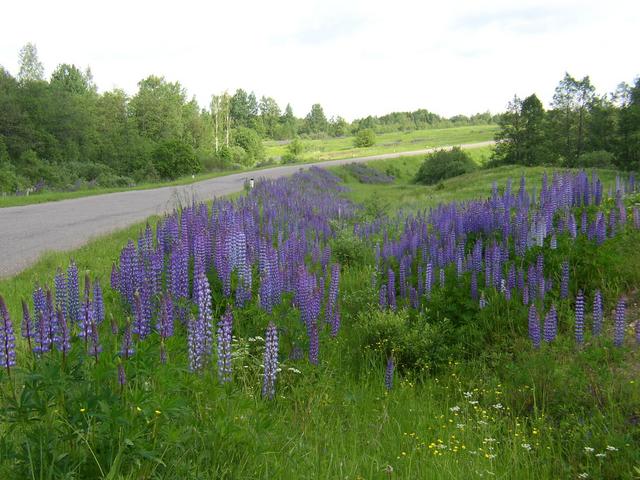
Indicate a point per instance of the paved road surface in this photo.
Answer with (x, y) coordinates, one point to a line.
(26, 232)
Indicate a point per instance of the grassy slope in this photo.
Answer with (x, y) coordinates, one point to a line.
(335, 421)
(335, 148)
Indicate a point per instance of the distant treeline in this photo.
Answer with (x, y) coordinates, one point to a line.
(582, 128)
(63, 133)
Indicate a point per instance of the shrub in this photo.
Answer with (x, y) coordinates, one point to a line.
(444, 164)
(250, 142)
(597, 159)
(174, 158)
(294, 150)
(365, 138)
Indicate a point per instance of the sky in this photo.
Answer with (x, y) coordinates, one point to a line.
(355, 58)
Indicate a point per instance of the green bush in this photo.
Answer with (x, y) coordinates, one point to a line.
(365, 138)
(597, 159)
(251, 143)
(444, 164)
(174, 158)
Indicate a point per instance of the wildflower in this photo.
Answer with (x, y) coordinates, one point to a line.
(589, 449)
(224, 346)
(534, 326)
(7, 339)
(579, 326)
(527, 446)
(597, 313)
(455, 409)
(619, 323)
(611, 448)
(388, 375)
(270, 362)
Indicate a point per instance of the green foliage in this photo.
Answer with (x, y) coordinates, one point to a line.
(293, 152)
(365, 138)
(444, 164)
(174, 158)
(595, 159)
(250, 142)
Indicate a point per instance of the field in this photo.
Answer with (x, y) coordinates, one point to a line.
(335, 148)
(415, 337)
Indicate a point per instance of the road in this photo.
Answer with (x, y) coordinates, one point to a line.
(27, 232)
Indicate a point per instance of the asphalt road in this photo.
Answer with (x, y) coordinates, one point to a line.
(27, 232)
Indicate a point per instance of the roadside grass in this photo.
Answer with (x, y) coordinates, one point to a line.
(342, 147)
(499, 409)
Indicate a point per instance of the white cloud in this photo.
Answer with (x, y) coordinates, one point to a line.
(355, 58)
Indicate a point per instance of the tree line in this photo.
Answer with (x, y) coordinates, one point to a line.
(581, 129)
(61, 132)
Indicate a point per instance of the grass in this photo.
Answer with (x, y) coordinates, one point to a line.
(338, 148)
(492, 409)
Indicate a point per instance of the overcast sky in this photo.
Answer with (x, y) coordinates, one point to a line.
(354, 57)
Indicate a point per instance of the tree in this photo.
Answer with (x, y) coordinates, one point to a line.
(270, 115)
(365, 138)
(158, 108)
(444, 164)
(571, 104)
(628, 138)
(338, 127)
(31, 68)
(521, 138)
(175, 158)
(250, 142)
(316, 121)
(240, 109)
(71, 79)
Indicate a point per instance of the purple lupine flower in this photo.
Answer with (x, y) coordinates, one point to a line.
(127, 350)
(94, 348)
(483, 301)
(141, 324)
(619, 322)
(550, 328)
(7, 339)
(60, 283)
(73, 293)
(428, 280)
(63, 343)
(200, 328)
(391, 290)
(540, 276)
(270, 362)
(597, 313)
(164, 324)
(27, 325)
(314, 341)
(86, 312)
(42, 340)
(579, 327)
(225, 328)
(98, 303)
(534, 326)
(564, 282)
(383, 297)
(388, 374)
(332, 313)
(54, 330)
(474, 285)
